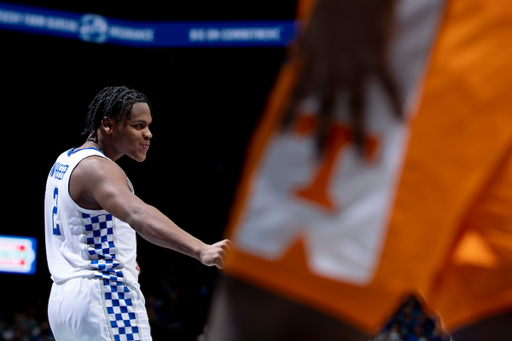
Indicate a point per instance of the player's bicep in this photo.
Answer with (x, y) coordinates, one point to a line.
(110, 189)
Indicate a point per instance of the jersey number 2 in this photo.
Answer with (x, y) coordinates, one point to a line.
(56, 227)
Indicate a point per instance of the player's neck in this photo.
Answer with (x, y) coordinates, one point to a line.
(93, 144)
(104, 144)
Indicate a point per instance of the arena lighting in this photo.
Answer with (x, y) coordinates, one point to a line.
(98, 29)
(18, 254)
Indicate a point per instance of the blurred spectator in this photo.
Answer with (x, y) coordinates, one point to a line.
(412, 323)
(393, 333)
(25, 323)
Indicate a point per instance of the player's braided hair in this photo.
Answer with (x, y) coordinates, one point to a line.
(111, 102)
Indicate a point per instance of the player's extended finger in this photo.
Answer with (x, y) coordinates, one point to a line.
(357, 103)
(302, 89)
(327, 107)
(390, 87)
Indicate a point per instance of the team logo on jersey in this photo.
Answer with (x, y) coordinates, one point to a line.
(93, 28)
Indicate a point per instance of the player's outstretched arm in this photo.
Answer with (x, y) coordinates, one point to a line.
(102, 181)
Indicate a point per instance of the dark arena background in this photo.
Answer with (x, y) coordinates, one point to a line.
(206, 102)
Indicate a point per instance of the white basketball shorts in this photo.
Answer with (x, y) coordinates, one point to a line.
(91, 309)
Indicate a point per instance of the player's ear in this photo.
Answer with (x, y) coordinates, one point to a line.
(107, 125)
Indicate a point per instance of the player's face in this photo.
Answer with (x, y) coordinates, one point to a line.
(132, 135)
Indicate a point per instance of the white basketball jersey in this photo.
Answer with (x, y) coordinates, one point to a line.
(81, 242)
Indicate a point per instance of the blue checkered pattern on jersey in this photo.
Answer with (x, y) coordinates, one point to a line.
(99, 234)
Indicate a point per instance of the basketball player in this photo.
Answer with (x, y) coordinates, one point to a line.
(91, 219)
(382, 166)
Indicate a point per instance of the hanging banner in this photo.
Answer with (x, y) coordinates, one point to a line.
(18, 254)
(98, 29)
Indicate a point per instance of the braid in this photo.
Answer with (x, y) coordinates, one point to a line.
(111, 102)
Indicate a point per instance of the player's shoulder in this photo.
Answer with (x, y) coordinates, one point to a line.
(95, 167)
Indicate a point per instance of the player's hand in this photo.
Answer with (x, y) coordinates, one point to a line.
(344, 46)
(215, 254)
